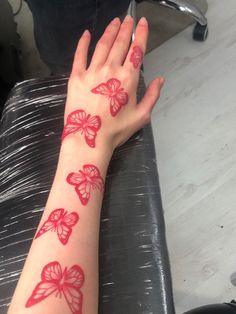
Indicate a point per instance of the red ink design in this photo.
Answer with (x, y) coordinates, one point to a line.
(57, 282)
(136, 56)
(116, 94)
(61, 222)
(85, 180)
(79, 121)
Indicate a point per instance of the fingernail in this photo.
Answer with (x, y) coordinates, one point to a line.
(86, 33)
(115, 21)
(128, 18)
(143, 21)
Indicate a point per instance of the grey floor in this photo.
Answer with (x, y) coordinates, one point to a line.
(194, 125)
(195, 135)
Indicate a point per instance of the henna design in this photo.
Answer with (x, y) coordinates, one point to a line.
(136, 56)
(60, 283)
(116, 94)
(85, 180)
(61, 222)
(79, 121)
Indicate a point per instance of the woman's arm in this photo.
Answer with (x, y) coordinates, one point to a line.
(61, 271)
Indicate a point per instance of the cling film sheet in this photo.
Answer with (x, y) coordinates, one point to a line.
(134, 265)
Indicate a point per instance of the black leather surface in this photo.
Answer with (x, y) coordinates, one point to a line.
(134, 266)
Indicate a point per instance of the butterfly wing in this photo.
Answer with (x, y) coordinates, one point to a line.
(115, 106)
(75, 178)
(77, 117)
(136, 56)
(93, 125)
(83, 190)
(113, 85)
(51, 223)
(82, 187)
(74, 299)
(98, 183)
(50, 276)
(94, 174)
(48, 225)
(63, 232)
(119, 100)
(64, 229)
(94, 122)
(101, 89)
(74, 123)
(122, 97)
(56, 215)
(51, 272)
(74, 279)
(90, 136)
(70, 219)
(118, 96)
(41, 292)
(70, 129)
(91, 171)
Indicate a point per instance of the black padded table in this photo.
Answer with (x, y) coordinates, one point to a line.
(134, 265)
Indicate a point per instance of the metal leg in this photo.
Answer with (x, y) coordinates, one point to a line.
(200, 31)
(132, 11)
(185, 7)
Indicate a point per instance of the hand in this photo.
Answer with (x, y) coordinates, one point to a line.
(101, 106)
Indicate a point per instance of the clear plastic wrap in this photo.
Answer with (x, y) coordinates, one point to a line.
(134, 266)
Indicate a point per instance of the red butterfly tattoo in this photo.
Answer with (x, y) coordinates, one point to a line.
(60, 283)
(61, 222)
(116, 94)
(85, 180)
(79, 121)
(136, 56)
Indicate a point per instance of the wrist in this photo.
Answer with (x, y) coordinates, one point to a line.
(74, 147)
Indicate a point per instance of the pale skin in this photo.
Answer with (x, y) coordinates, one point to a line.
(111, 59)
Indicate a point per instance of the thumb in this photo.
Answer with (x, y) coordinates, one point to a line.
(150, 98)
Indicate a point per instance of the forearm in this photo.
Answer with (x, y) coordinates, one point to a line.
(82, 244)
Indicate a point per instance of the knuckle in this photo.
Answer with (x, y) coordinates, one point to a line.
(146, 116)
(106, 70)
(103, 41)
(121, 41)
(130, 71)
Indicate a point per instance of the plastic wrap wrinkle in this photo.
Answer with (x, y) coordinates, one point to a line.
(134, 266)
